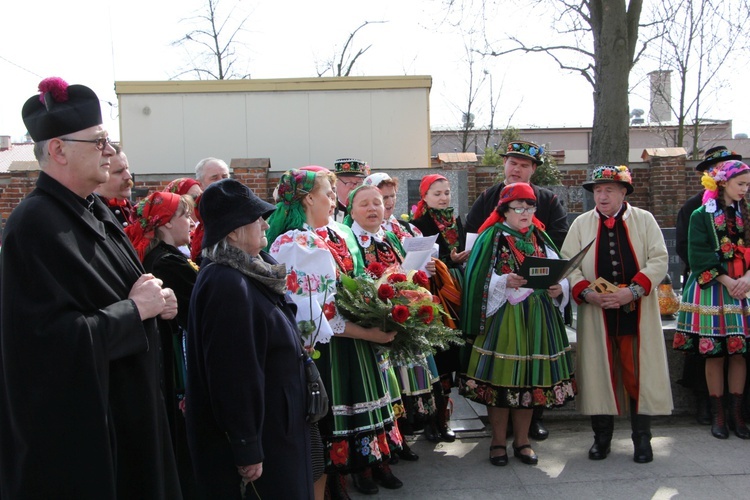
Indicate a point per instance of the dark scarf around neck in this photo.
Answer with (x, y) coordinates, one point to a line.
(273, 276)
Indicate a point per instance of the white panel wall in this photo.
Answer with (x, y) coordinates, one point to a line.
(171, 132)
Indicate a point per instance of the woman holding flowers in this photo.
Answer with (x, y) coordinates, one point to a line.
(713, 317)
(358, 430)
(517, 356)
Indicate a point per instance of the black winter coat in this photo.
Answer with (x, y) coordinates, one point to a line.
(246, 390)
(82, 414)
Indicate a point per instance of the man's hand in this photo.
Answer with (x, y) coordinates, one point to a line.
(147, 295)
(170, 304)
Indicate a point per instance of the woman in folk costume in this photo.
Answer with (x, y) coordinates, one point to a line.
(190, 186)
(434, 215)
(357, 431)
(518, 355)
(621, 356)
(388, 187)
(161, 223)
(713, 318)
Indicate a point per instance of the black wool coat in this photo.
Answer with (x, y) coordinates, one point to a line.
(82, 414)
(549, 211)
(246, 389)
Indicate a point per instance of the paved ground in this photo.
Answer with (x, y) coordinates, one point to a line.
(688, 464)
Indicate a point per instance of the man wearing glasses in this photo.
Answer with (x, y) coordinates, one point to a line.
(521, 160)
(350, 174)
(82, 413)
(116, 192)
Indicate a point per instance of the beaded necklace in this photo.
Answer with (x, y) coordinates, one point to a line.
(339, 250)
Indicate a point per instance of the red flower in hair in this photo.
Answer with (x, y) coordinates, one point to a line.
(400, 313)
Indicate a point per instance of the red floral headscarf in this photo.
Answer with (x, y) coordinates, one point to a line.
(515, 191)
(424, 186)
(151, 212)
(181, 186)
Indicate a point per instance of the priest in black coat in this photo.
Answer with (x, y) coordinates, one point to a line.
(82, 414)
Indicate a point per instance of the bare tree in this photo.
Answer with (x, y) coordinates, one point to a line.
(342, 64)
(602, 48)
(468, 110)
(698, 40)
(216, 39)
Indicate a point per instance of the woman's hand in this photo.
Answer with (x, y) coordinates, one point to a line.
(430, 266)
(459, 257)
(378, 336)
(515, 281)
(555, 290)
(250, 472)
(740, 287)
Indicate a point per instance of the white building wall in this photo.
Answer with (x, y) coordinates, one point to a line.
(167, 127)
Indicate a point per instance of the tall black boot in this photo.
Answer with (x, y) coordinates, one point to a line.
(718, 421)
(336, 488)
(442, 418)
(702, 408)
(603, 426)
(736, 420)
(537, 430)
(641, 426)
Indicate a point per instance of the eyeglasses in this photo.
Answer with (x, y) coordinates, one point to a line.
(351, 184)
(100, 143)
(521, 210)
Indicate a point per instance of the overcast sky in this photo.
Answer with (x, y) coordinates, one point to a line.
(98, 42)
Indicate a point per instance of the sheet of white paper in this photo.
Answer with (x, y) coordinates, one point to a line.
(419, 243)
(470, 239)
(416, 260)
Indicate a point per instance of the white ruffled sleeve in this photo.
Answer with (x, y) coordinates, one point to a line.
(311, 281)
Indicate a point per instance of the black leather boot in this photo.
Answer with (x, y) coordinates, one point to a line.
(442, 418)
(382, 473)
(718, 421)
(537, 430)
(603, 426)
(736, 420)
(702, 408)
(336, 488)
(363, 482)
(641, 426)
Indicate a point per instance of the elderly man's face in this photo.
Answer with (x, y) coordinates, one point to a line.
(609, 197)
(345, 184)
(518, 169)
(88, 167)
(213, 172)
(120, 181)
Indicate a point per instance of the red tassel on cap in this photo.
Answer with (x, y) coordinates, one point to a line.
(55, 86)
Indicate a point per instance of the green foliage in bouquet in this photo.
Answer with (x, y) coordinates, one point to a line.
(394, 301)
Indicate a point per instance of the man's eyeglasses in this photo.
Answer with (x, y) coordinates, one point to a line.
(100, 143)
(351, 184)
(520, 210)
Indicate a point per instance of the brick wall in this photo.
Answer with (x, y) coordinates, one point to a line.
(661, 186)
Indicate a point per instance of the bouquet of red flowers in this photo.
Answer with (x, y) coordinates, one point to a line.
(389, 299)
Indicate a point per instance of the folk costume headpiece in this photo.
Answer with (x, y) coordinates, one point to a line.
(377, 179)
(60, 109)
(351, 166)
(152, 212)
(424, 186)
(511, 192)
(525, 149)
(721, 172)
(182, 185)
(607, 174)
(226, 205)
(716, 155)
(293, 186)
